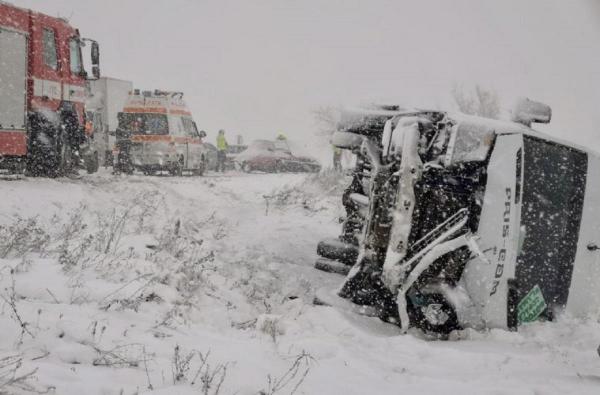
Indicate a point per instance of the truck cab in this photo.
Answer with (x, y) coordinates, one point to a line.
(42, 91)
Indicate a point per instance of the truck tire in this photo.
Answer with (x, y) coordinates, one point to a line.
(433, 315)
(92, 164)
(61, 163)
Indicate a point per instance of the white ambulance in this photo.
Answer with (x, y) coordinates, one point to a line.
(157, 133)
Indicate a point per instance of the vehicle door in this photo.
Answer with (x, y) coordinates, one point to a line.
(157, 140)
(194, 144)
(13, 71)
(179, 141)
(487, 278)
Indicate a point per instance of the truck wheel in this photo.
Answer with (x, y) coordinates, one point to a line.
(92, 163)
(61, 165)
(433, 315)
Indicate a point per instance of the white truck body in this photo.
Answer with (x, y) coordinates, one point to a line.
(108, 97)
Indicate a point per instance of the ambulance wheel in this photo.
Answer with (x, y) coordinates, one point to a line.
(199, 171)
(433, 314)
(177, 168)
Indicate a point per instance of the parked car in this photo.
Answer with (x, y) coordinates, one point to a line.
(274, 157)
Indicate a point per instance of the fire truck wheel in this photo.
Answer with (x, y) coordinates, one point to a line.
(62, 160)
(92, 164)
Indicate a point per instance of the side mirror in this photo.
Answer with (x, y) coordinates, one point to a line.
(528, 111)
(200, 134)
(95, 60)
(347, 140)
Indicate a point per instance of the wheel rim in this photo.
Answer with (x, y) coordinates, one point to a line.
(434, 314)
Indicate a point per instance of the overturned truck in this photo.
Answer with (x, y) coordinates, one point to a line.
(458, 221)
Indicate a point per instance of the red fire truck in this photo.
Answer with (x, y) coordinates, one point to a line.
(42, 92)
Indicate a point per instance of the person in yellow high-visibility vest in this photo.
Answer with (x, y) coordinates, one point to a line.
(337, 158)
(221, 150)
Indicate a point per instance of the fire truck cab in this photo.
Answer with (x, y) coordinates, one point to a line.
(157, 133)
(42, 91)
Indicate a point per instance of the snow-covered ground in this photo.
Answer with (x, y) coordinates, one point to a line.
(124, 285)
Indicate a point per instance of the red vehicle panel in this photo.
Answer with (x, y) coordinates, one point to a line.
(47, 54)
(13, 143)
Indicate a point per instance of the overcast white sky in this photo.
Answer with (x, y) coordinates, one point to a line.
(259, 67)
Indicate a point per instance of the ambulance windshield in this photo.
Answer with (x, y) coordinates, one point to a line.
(153, 124)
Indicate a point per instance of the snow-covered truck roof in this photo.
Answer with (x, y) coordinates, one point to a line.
(508, 127)
(157, 102)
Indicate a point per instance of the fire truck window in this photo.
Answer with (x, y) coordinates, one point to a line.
(49, 42)
(75, 56)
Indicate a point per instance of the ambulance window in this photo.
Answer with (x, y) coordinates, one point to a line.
(188, 126)
(49, 42)
(75, 56)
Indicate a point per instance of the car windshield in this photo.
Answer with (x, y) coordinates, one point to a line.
(153, 124)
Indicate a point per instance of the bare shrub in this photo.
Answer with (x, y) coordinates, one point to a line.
(124, 356)
(292, 379)
(10, 299)
(210, 378)
(270, 325)
(13, 380)
(73, 244)
(181, 364)
(110, 229)
(72, 255)
(145, 205)
(21, 237)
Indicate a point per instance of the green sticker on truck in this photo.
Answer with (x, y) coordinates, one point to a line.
(531, 306)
